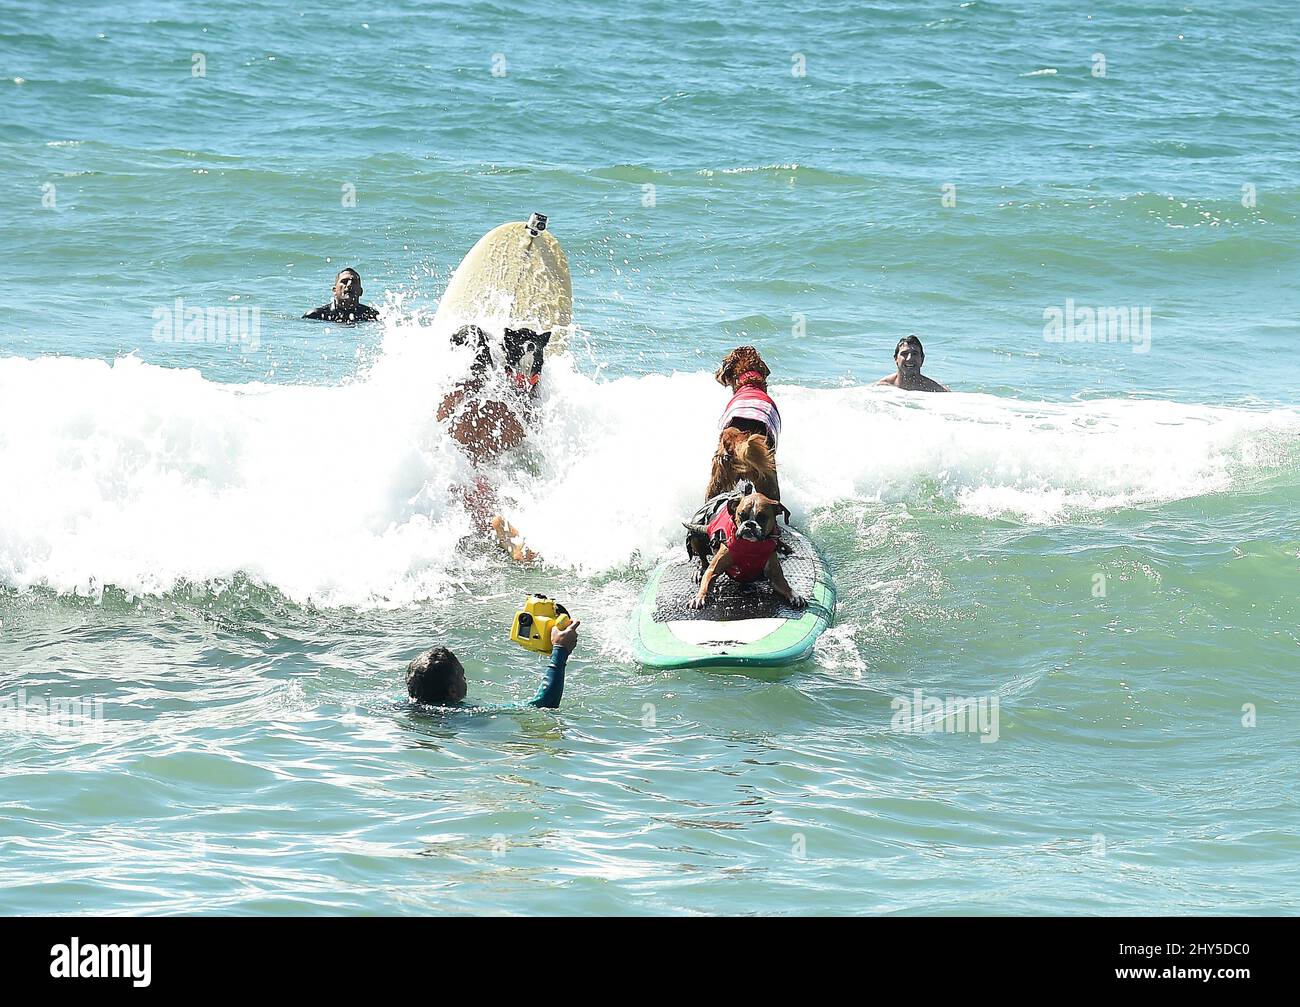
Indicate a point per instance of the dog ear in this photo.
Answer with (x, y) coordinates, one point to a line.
(468, 335)
(784, 510)
(732, 504)
(542, 339)
(723, 374)
(472, 335)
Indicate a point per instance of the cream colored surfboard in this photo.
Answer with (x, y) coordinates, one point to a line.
(513, 278)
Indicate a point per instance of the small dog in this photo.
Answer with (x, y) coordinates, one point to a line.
(487, 416)
(744, 540)
(748, 429)
(743, 457)
(520, 346)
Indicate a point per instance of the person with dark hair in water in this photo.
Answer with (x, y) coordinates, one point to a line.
(436, 678)
(345, 306)
(908, 358)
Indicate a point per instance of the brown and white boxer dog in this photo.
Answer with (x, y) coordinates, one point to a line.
(744, 541)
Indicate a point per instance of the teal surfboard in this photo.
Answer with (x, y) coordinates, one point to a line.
(743, 625)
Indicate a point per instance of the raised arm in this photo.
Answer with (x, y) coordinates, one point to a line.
(551, 690)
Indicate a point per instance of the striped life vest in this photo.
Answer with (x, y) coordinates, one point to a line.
(751, 403)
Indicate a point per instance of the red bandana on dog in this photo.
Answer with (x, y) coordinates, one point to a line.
(748, 558)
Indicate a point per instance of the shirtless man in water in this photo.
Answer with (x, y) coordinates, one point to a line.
(909, 356)
(345, 306)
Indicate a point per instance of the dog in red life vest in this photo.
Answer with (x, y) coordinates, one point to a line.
(745, 542)
(748, 429)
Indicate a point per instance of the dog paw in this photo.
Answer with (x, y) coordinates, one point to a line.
(697, 602)
(697, 576)
(798, 601)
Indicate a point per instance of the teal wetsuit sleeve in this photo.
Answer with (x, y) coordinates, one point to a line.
(551, 690)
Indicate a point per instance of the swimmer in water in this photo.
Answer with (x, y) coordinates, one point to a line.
(908, 357)
(345, 306)
(436, 678)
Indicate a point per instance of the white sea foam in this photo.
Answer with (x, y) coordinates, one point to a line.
(143, 477)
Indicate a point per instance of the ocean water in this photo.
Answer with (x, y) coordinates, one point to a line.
(228, 551)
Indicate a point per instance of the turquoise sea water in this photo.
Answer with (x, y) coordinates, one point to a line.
(229, 551)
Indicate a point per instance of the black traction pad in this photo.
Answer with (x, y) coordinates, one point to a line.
(730, 600)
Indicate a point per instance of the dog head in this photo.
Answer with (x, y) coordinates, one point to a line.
(755, 515)
(523, 353)
(742, 366)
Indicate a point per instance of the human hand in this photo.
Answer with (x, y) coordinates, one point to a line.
(566, 638)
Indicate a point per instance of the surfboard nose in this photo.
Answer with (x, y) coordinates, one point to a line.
(511, 278)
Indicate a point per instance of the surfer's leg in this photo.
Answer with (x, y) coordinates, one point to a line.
(503, 530)
(511, 540)
(480, 501)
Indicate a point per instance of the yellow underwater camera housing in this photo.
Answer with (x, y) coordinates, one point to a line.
(532, 628)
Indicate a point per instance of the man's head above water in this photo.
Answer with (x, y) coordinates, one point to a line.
(347, 288)
(909, 356)
(345, 301)
(436, 678)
